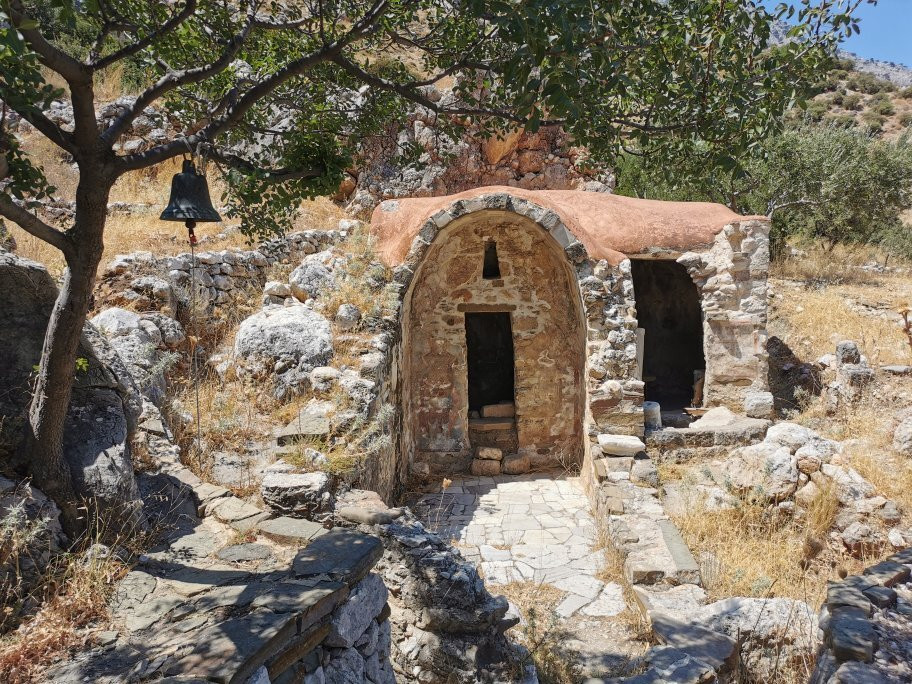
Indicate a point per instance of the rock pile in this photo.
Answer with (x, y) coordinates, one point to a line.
(794, 469)
(866, 622)
(845, 375)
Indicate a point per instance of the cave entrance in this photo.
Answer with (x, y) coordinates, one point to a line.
(668, 310)
(489, 348)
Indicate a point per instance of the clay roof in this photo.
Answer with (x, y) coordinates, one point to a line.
(609, 226)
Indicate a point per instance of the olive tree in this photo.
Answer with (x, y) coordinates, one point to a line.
(308, 80)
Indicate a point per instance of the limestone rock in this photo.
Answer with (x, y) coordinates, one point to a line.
(764, 471)
(105, 403)
(483, 466)
(311, 278)
(289, 341)
(758, 404)
(516, 464)
(304, 495)
(322, 378)
(620, 445)
(902, 437)
(773, 632)
(273, 288)
(859, 538)
(353, 617)
(348, 316)
(789, 435)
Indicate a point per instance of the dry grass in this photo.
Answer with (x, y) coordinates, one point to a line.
(361, 266)
(812, 321)
(750, 551)
(74, 595)
(541, 633)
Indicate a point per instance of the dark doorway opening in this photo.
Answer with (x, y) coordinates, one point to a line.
(489, 347)
(668, 308)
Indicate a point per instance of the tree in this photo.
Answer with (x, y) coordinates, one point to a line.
(815, 181)
(307, 80)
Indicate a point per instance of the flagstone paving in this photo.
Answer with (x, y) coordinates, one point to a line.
(535, 528)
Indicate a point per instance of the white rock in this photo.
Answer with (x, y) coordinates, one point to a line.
(347, 317)
(620, 445)
(789, 435)
(902, 437)
(758, 404)
(115, 322)
(352, 618)
(763, 471)
(274, 288)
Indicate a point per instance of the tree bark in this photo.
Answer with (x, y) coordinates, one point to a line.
(53, 389)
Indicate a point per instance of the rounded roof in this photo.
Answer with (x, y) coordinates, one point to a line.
(609, 226)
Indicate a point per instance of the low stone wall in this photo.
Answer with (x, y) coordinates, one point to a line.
(145, 281)
(866, 622)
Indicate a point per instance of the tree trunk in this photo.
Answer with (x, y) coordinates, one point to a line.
(53, 389)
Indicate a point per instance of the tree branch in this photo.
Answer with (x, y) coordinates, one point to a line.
(35, 226)
(45, 126)
(235, 112)
(142, 43)
(50, 56)
(272, 175)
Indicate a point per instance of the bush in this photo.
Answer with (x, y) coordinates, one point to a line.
(873, 121)
(816, 110)
(884, 107)
(906, 93)
(837, 98)
(840, 120)
(868, 83)
(905, 119)
(852, 102)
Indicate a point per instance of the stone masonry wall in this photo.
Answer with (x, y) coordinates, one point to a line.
(538, 291)
(732, 279)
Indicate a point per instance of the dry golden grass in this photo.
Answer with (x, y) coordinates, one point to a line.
(541, 632)
(812, 321)
(748, 552)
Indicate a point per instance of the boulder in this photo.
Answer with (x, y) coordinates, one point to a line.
(764, 471)
(902, 437)
(288, 341)
(758, 404)
(789, 435)
(137, 340)
(773, 633)
(105, 403)
(301, 495)
(311, 278)
(347, 317)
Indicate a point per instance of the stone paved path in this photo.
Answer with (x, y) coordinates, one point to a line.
(534, 528)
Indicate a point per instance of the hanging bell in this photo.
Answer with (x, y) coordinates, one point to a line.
(189, 198)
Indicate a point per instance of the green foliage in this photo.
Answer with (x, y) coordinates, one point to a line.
(815, 181)
(852, 102)
(884, 107)
(906, 93)
(82, 365)
(868, 83)
(873, 121)
(905, 119)
(667, 77)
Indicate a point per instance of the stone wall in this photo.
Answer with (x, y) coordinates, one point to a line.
(144, 280)
(537, 290)
(866, 624)
(732, 279)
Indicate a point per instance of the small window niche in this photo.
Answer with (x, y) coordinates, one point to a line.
(491, 268)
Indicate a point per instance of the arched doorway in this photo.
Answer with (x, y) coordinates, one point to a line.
(493, 346)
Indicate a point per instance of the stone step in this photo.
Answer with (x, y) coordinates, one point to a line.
(491, 424)
(659, 555)
(505, 410)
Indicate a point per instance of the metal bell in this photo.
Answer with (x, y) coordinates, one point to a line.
(189, 198)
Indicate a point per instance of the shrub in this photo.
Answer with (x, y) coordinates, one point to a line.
(840, 120)
(906, 93)
(884, 107)
(816, 110)
(873, 121)
(905, 119)
(868, 83)
(838, 98)
(852, 102)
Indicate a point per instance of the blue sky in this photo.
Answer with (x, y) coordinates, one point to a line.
(886, 31)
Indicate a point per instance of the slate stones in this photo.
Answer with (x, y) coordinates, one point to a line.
(290, 531)
(716, 650)
(304, 495)
(340, 554)
(244, 553)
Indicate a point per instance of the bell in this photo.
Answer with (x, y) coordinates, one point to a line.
(189, 198)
